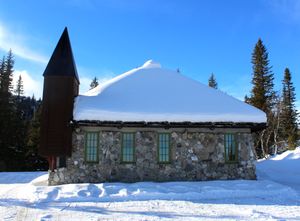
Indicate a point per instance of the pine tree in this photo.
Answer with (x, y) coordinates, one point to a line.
(21, 122)
(212, 82)
(7, 112)
(289, 113)
(2, 67)
(19, 87)
(2, 139)
(263, 96)
(7, 74)
(94, 83)
(33, 160)
(262, 92)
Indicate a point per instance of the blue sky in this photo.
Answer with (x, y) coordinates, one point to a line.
(112, 36)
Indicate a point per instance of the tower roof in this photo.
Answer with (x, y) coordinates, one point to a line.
(62, 61)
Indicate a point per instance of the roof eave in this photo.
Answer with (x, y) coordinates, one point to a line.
(165, 124)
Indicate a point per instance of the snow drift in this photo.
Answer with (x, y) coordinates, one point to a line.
(283, 168)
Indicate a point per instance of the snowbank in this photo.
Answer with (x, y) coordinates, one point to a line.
(154, 94)
(283, 168)
(19, 177)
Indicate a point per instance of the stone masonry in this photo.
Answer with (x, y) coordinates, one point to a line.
(196, 154)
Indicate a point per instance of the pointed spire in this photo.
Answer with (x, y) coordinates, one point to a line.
(62, 61)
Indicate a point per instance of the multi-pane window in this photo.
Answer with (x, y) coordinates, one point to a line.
(128, 147)
(230, 148)
(164, 148)
(91, 147)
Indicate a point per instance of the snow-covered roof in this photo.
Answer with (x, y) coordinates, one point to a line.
(151, 93)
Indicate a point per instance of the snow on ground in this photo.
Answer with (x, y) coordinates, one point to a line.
(287, 165)
(274, 196)
(154, 94)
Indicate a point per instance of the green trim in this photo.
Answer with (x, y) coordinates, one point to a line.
(236, 146)
(97, 147)
(158, 149)
(122, 148)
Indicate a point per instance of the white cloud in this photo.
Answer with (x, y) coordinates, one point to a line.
(31, 86)
(15, 42)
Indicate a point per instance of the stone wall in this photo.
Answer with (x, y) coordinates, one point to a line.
(196, 154)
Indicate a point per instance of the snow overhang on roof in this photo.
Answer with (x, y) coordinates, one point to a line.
(151, 93)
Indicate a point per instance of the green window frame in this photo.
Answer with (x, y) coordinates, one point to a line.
(164, 148)
(91, 147)
(128, 147)
(230, 144)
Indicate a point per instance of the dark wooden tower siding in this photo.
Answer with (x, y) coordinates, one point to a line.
(61, 85)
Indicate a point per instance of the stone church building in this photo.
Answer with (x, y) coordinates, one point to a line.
(147, 124)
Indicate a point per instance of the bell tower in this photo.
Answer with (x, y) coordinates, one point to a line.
(61, 85)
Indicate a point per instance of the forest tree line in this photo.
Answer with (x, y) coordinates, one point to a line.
(20, 115)
(19, 123)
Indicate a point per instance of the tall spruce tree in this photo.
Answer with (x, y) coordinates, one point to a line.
(33, 160)
(21, 122)
(19, 91)
(2, 67)
(2, 142)
(7, 113)
(94, 83)
(262, 95)
(7, 74)
(262, 92)
(289, 113)
(212, 82)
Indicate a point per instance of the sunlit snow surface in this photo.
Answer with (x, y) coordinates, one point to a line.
(274, 196)
(154, 94)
